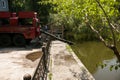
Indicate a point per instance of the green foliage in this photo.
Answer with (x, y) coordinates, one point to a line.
(40, 6)
(16, 5)
(50, 76)
(103, 65)
(114, 66)
(73, 13)
(43, 7)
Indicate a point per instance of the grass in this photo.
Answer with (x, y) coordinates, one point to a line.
(50, 76)
(50, 73)
(69, 48)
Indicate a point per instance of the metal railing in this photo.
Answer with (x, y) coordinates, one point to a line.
(42, 67)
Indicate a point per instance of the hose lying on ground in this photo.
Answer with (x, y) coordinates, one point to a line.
(53, 36)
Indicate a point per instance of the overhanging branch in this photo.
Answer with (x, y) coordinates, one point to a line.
(111, 28)
(99, 35)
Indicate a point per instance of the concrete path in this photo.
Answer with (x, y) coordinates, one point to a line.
(65, 65)
(14, 63)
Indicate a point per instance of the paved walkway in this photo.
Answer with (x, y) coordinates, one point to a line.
(64, 64)
(14, 64)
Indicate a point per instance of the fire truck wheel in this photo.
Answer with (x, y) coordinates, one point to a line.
(5, 40)
(19, 40)
(28, 41)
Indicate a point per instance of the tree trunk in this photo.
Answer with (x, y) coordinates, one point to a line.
(115, 50)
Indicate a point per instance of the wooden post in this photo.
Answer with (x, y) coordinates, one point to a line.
(27, 77)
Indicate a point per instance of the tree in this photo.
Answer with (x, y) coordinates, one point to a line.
(111, 27)
(99, 15)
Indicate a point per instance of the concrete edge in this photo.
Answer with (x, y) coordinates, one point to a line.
(79, 61)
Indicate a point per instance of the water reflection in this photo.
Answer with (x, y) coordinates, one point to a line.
(93, 54)
(105, 73)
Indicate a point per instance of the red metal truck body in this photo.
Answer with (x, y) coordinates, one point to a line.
(14, 27)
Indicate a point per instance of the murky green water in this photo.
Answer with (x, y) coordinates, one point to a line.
(93, 54)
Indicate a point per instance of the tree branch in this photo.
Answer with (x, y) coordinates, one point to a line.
(112, 47)
(111, 28)
(99, 35)
(115, 28)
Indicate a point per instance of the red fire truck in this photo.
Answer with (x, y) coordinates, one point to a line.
(19, 28)
(14, 30)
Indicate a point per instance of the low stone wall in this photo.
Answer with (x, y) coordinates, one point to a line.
(65, 65)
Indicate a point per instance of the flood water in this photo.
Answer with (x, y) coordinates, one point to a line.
(93, 54)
